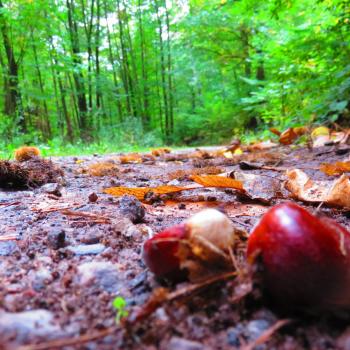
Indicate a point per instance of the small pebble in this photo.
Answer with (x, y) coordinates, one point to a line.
(93, 197)
(132, 208)
(56, 238)
(87, 249)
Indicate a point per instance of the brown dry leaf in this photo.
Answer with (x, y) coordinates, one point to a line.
(275, 131)
(184, 174)
(160, 151)
(202, 154)
(290, 135)
(140, 192)
(302, 187)
(257, 187)
(103, 169)
(261, 146)
(339, 194)
(337, 168)
(336, 193)
(217, 181)
(130, 158)
(340, 136)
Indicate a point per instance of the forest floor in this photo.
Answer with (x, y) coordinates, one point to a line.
(67, 250)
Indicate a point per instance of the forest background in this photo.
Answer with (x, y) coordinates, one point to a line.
(87, 75)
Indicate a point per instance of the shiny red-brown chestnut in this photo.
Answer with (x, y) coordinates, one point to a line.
(303, 261)
(161, 252)
(204, 236)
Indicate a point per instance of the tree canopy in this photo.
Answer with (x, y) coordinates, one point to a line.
(173, 71)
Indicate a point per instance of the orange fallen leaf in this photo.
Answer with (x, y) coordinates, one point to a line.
(300, 130)
(205, 181)
(140, 192)
(261, 146)
(26, 152)
(217, 181)
(130, 158)
(290, 135)
(160, 151)
(337, 168)
(103, 169)
(275, 131)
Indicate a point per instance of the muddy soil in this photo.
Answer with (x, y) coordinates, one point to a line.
(67, 250)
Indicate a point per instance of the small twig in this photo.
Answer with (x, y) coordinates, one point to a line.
(318, 208)
(239, 222)
(4, 205)
(233, 259)
(95, 217)
(59, 343)
(161, 296)
(8, 238)
(266, 335)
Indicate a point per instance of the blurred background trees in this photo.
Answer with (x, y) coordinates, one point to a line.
(170, 71)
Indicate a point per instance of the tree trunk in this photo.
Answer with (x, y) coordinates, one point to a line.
(12, 103)
(170, 78)
(146, 119)
(78, 77)
(112, 60)
(163, 73)
(45, 118)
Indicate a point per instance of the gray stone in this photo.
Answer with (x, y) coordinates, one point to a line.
(56, 238)
(26, 325)
(104, 274)
(132, 208)
(52, 188)
(255, 328)
(233, 335)
(87, 249)
(177, 343)
(7, 248)
(40, 279)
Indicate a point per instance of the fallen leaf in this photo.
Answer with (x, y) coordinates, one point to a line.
(320, 131)
(320, 136)
(337, 168)
(103, 169)
(257, 187)
(186, 174)
(261, 146)
(339, 194)
(217, 181)
(140, 192)
(228, 155)
(130, 158)
(302, 187)
(205, 181)
(160, 151)
(275, 131)
(335, 193)
(290, 135)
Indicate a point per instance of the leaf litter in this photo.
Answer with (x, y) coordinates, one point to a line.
(207, 311)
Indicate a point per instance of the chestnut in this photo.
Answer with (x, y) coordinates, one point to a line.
(302, 261)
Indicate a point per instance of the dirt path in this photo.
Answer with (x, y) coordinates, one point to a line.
(67, 251)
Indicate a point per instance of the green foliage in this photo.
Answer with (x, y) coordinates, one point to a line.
(120, 305)
(113, 74)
